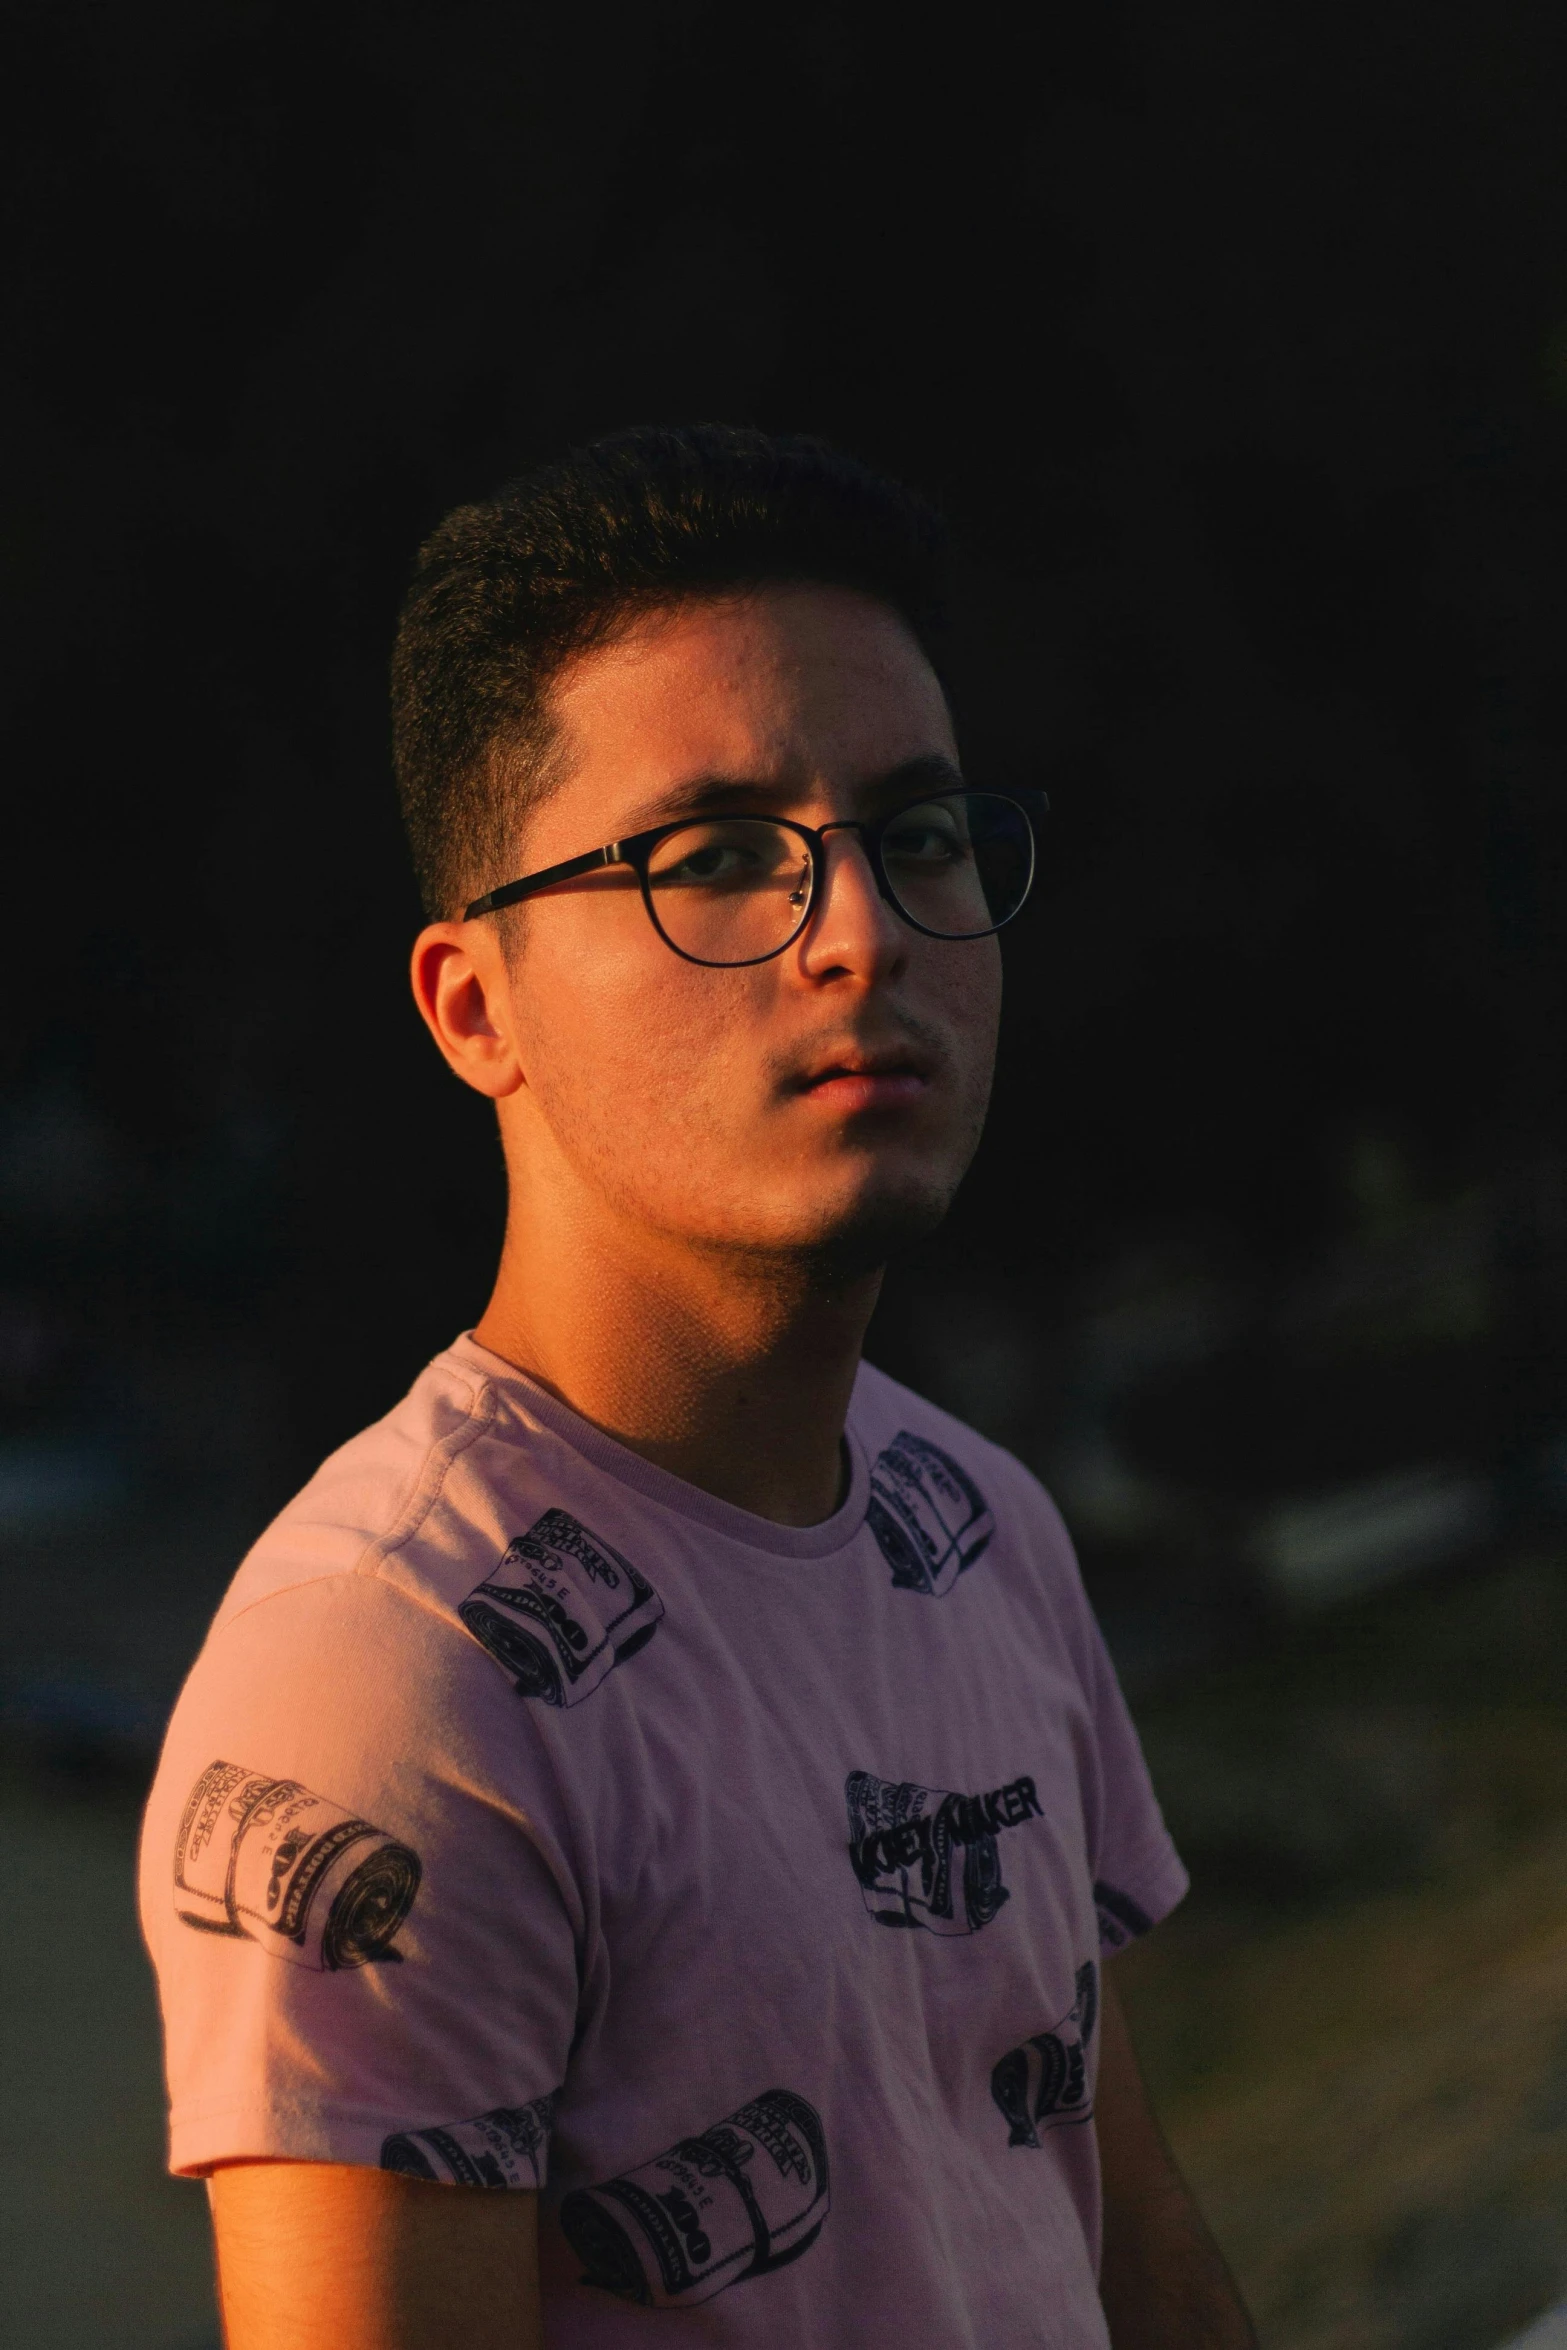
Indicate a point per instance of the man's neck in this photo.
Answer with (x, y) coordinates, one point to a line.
(733, 1373)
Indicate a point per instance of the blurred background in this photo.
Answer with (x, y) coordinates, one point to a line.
(1234, 343)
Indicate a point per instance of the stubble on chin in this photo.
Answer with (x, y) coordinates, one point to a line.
(873, 1236)
(828, 1254)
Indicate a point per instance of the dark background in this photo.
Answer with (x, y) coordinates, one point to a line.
(1233, 341)
(1235, 347)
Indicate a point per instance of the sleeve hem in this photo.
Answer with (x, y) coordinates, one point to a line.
(203, 2141)
(1135, 1900)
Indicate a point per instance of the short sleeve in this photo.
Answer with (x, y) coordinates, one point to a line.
(1138, 1875)
(359, 1896)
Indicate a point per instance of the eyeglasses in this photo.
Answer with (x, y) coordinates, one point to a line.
(731, 890)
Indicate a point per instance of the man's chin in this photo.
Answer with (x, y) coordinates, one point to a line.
(869, 1235)
(830, 1234)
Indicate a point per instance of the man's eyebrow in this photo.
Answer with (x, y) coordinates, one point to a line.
(932, 771)
(706, 795)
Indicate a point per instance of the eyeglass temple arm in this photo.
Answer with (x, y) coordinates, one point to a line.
(512, 892)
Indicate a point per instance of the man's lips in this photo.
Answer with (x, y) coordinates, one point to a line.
(868, 1082)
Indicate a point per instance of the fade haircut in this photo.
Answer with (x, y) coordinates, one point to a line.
(506, 592)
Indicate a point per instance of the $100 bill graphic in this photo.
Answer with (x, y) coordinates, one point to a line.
(1045, 2082)
(927, 1514)
(562, 1610)
(507, 2147)
(925, 1857)
(265, 1859)
(748, 2195)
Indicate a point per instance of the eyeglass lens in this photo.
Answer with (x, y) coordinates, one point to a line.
(735, 889)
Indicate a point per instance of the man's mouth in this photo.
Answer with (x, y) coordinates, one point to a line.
(868, 1081)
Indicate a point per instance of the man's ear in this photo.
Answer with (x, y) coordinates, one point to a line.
(462, 988)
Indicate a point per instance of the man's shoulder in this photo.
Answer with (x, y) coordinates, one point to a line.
(397, 1501)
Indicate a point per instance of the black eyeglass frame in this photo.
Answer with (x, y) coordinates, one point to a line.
(637, 850)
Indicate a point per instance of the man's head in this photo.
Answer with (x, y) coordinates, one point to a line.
(506, 594)
(667, 623)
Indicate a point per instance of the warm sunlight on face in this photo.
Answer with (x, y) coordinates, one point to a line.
(830, 1098)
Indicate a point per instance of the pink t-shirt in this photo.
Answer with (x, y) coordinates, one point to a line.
(531, 1818)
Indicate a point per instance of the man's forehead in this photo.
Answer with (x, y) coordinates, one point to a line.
(751, 660)
(752, 701)
(791, 784)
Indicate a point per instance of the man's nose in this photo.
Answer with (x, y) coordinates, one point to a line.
(852, 927)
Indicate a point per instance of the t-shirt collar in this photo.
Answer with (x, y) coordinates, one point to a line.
(534, 1403)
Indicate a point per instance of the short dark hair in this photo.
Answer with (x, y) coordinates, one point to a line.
(507, 591)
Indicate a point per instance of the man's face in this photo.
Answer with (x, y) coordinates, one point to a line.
(827, 1101)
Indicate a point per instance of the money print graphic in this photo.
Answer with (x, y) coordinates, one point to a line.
(928, 1515)
(1045, 2082)
(264, 1859)
(1121, 1919)
(507, 2147)
(561, 1610)
(906, 1841)
(746, 2196)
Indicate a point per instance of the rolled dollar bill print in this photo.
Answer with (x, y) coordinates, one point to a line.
(562, 1610)
(1045, 2082)
(507, 2147)
(746, 2196)
(926, 1857)
(264, 1858)
(928, 1515)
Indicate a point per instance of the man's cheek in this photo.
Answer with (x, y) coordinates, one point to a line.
(668, 1102)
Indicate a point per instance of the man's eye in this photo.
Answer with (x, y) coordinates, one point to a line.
(719, 861)
(924, 843)
(741, 856)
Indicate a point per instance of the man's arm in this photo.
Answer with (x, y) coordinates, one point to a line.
(325, 2256)
(1163, 2281)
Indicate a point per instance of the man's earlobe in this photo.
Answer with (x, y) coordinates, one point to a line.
(459, 980)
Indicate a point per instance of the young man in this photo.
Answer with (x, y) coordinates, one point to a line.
(665, 1771)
